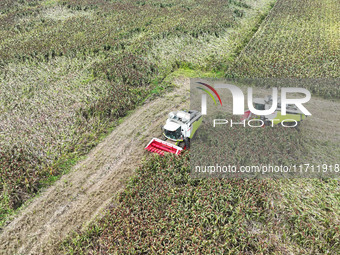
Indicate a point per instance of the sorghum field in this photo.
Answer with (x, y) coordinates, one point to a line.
(298, 39)
(69, 69)
(164, 210)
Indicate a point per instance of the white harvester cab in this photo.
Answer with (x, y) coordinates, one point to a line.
(179, 128)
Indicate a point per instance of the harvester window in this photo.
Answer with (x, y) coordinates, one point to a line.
(259, 106)
(173, 134)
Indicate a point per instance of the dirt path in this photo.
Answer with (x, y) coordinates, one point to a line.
(79, 196)
(83, 193)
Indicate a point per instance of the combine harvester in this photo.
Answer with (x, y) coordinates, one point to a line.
(294, 116)
(179, 128)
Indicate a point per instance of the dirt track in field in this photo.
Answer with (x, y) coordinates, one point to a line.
(78, 197)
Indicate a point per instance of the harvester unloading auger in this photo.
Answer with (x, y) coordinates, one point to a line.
(179, 128)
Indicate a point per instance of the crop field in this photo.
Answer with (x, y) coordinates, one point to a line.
(164, 210)
(70, 69)
(298, 39)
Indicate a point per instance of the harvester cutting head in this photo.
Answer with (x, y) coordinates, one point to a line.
(179, 128)
(158, 146)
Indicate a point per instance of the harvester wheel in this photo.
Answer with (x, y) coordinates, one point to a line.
(298, 126)
(181, 144)
(267, 123)
(187, 143)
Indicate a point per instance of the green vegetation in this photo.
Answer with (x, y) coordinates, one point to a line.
(164, 210)
(299, 39)
(70, 69)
